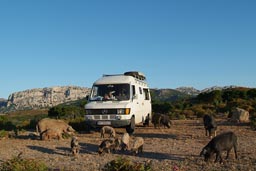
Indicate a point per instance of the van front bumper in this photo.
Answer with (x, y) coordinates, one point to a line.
(113, 123)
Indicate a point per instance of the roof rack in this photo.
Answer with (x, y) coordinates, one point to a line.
(136, 74)
(107, 75)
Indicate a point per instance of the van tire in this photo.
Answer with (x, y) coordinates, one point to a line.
(130, 128)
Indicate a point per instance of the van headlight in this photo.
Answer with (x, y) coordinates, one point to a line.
(123, 111)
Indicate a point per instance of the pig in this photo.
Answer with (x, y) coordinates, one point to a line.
(125, 141)
(109, 130)
(74, 144)
(161, 119)
(137, 146)
(58, 125)
(209, 125)
(156, 119)
(165, 121)
(51, 133)
(222, 142)
(108, 145)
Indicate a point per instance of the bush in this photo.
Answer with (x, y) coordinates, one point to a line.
(78, 124)
(20, 164)
(6, 124)
(253, 120)
(3, 134)
(124, 164)
(66, 112)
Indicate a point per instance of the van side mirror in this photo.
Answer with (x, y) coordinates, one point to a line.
(87, 98)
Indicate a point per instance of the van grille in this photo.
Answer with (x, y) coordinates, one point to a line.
(102, 111)
(97, 117)
(112, 116)
(104, 117)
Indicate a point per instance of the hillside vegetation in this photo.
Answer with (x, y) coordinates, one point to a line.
(217, 102)
(177, 105)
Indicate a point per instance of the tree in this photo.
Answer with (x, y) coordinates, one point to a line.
(251, 93)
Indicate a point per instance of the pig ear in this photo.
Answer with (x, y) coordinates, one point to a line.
(70, 128)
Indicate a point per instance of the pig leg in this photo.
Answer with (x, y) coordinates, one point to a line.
(228, 154)
(218, 157)
(235, 151)
(140, 149)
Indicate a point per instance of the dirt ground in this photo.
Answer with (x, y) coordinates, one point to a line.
(177, 148)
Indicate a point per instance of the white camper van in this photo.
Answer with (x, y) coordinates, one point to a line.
(121, 100)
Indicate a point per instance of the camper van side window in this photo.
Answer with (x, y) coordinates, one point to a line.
(146, 93)
(133, 90)
(140, 90)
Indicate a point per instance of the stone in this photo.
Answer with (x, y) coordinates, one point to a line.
(39, 98)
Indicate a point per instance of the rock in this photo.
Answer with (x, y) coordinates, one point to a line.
(45, 97)
(240, 115)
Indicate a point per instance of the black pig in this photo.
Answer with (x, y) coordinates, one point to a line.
(222, 142)
(161, 119)
(165, 121)
(209, 125)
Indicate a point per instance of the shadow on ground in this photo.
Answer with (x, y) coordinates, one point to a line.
(154, 135)
(44, 150)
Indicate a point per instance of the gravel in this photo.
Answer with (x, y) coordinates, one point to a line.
(173, 149)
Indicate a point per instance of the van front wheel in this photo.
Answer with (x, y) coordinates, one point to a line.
(130, 128)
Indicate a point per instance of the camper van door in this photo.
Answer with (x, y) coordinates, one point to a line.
(137, 101)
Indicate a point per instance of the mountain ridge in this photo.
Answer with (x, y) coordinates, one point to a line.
(38, 98)
(51, 96)
(193, 91)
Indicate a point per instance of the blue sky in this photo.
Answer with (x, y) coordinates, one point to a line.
(198, 43)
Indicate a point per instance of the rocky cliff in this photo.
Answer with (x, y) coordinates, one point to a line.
(45, 97)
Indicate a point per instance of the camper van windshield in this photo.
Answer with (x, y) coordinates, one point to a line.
(104, 92)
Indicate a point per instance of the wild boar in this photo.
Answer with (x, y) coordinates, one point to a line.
(107, 130)
(125, 141)
(222, 142)
(156, 119)
(108, 145)
(165, 121)
(74, 144)
(51, 134)
(161, 119)
(58, 125)
(209, 125)
(137, 146)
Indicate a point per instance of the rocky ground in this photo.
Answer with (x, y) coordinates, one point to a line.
(166, 149)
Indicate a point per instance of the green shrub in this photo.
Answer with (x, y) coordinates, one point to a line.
(20, 164)
(3, 134)
(78, 124)
(253, 120)
(66, 112)
(181, 117)
(124, 164)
